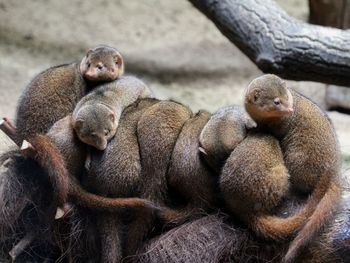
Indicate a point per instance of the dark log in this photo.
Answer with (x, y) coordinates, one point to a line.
(334, 13)
(280, 44)
(216, 238)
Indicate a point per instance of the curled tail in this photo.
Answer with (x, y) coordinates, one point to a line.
(49, 157)
(278, 228)
(329, 194)
(96, 202)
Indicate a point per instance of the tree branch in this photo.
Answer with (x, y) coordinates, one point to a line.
(280, 44)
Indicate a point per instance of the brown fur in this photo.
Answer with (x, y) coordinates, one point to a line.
(254, 179)
(309, 145)
(95, 118)
(116, 172)
(157, 132)
(49, 157)
(215, 238)
(157, 129)
(253, 182)
(72, 155)
(226, 128)
(53, 94)
(73, 151)
(188, 177)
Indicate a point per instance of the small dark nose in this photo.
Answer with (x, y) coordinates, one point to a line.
(99, 66)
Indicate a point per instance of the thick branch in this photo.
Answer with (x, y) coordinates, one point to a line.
(280, 44)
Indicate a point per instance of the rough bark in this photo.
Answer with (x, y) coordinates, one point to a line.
(280, 44)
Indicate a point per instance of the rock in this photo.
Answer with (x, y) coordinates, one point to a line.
(338, 97)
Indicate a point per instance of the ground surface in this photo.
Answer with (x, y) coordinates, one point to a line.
(168, 43)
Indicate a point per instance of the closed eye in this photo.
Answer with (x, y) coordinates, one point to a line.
(277, 101)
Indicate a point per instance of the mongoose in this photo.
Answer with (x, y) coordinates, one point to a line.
(221, 134)
(116, 172)
(53, 93)
(157, 131)
(189, 178)
(309, 145)
(253, 180)
(95, 118)
(146, 135)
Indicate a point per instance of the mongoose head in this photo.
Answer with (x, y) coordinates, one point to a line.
(102, 63)
(95, 125)
(268, 97)
(223, 132)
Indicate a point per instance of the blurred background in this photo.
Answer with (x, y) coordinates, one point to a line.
(169, 44)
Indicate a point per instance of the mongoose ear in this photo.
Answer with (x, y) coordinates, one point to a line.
(78, 124)
(253, 95)
(256, 94)
(89, 51)
(120, 62)
(112, 117)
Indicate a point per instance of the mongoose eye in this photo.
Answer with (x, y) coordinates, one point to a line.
(277, 101)
(106, 132)
(88, 65)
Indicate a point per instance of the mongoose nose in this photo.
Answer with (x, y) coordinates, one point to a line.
(99, 66)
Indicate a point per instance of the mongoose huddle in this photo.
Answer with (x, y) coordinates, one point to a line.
(94, 121)
(140, 149)
(309, 145)
(95, 117)
(293, 147)
(53, 94)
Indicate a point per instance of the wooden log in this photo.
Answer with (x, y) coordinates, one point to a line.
(280, 44)
(334, 13)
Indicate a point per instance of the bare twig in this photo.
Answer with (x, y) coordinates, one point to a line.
(8, 128)
(22, 245)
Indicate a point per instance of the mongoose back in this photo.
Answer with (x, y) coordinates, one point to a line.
(146, 135)
(221, 134)
(116, 172)
(309, 145)
(253, 180)
(157, 132)
(189, 178)
(96, 116)
(53, 94)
